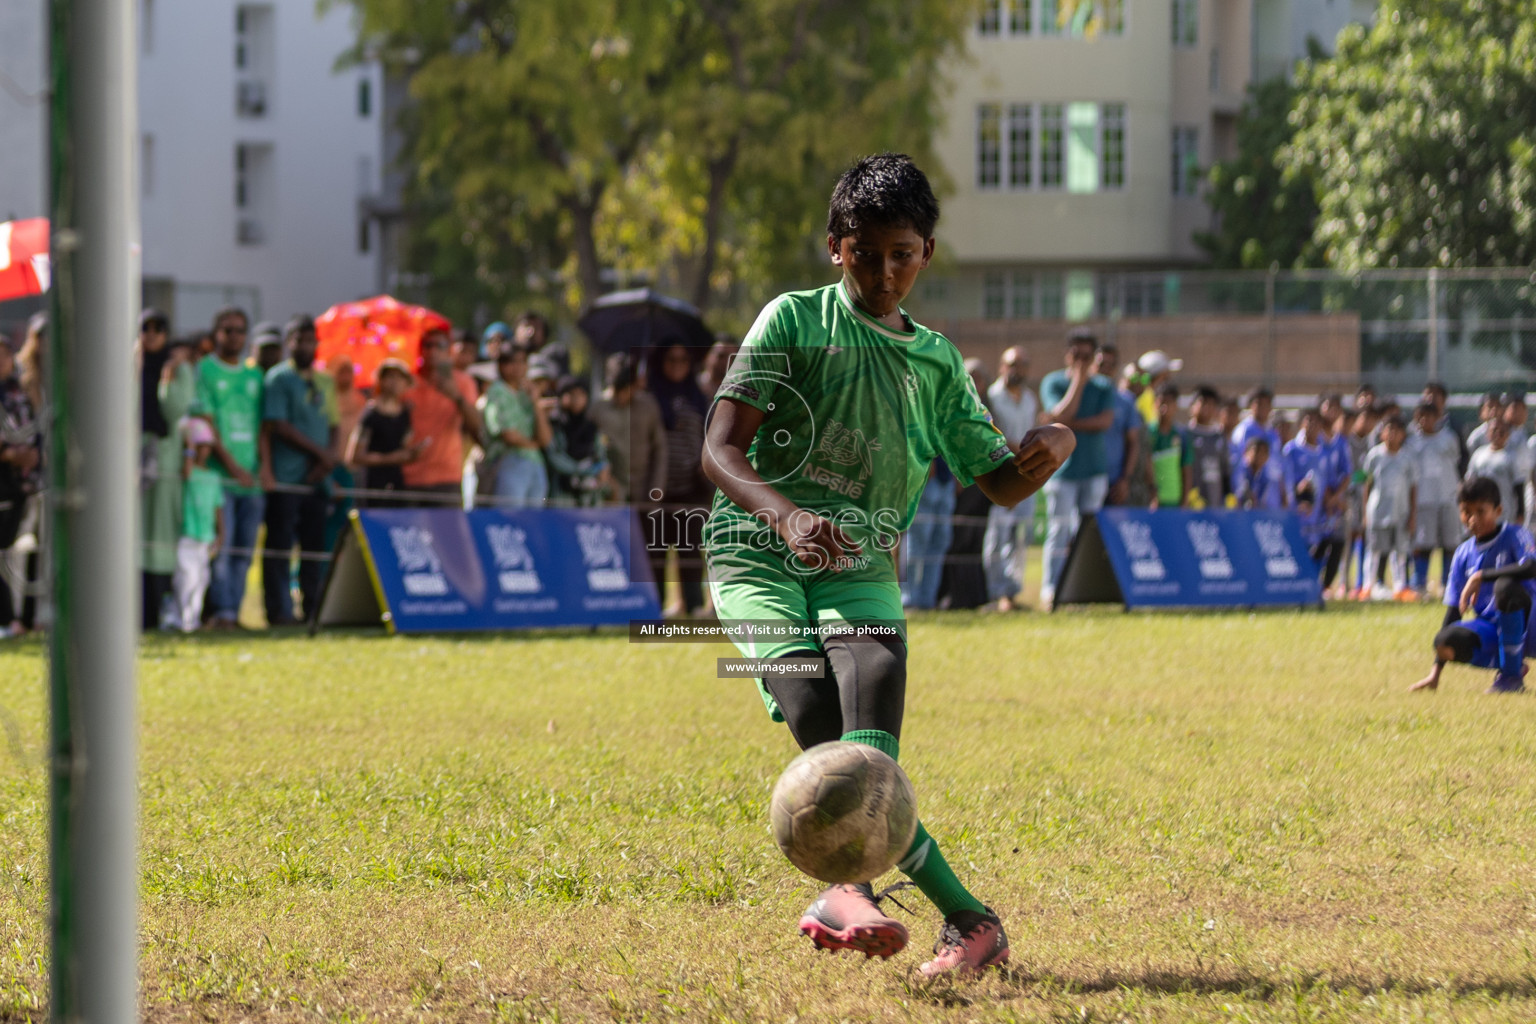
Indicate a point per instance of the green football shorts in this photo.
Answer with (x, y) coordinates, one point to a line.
(769, 612)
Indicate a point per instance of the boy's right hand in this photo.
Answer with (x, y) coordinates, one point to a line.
(816, 542)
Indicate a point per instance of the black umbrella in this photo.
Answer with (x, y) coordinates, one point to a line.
(640, 319)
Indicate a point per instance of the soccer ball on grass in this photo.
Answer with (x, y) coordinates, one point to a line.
(843, 812)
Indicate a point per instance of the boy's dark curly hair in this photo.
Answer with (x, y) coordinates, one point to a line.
(1479, 490)
(886, 190)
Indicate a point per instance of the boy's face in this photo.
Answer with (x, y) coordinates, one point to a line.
(1261, 408)
(1498, 434)
(1201, 410)
(1479, 517)
(1166, 407)
(1311, 426)
(1426, 421)
(880, 265)
(1515, 414)
(574, 401)
(1393, 437)
(1255, 456)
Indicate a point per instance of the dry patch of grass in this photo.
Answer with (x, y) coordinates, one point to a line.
(1234, 818)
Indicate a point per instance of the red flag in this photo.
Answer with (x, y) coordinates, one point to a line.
(24, 267)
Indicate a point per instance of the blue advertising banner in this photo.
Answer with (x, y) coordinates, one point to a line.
(1189, 559)
(439, 569)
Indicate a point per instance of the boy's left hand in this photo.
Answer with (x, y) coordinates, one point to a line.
(1043, 450)
(1469, 592)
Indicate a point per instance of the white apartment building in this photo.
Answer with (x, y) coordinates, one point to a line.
(261, 163)
(1078, 149)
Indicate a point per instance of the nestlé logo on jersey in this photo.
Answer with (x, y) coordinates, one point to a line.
(843, 448)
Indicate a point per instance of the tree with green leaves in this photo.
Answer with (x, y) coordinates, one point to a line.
(690, 139)
(1420, 137)
(1265, 217)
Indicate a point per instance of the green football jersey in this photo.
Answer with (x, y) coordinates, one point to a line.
(854, 413)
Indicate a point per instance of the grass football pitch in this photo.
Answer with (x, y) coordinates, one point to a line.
(1181, 818)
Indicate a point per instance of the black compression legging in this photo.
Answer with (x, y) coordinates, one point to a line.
(865, 688)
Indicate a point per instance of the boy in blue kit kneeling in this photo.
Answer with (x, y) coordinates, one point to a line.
(1493, 576)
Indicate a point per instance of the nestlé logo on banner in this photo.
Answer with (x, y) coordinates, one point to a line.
(515, 571)
(604, 562)
(421, 571)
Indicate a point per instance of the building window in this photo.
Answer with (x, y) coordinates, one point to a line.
(1112, 17)
(1021, 145)
(1023, 305)
(1186, 161)
(1050, 24)
(242, 181)
(1076, 146)
(1049, 295)
(253, 191)
(254, 44)
(991, 22)
(1042, 295)
(1082, 147)
(1052, 148)
(989, 146)
(147, 165)
(364, 98)
(1186, 22)
(1019, 12)
(1043, 18)
(1113, 153)
(994, 299)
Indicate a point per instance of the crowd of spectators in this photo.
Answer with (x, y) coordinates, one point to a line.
(251, 451)
(1374, 489)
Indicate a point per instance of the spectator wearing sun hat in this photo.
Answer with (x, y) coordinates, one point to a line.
(1156, 369)
(266, 345)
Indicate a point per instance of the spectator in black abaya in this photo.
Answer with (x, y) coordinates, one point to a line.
(157, 561)
(685, 501)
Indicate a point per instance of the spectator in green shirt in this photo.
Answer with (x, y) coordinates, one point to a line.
(230, 392)
(517, 429)
(1172, 470)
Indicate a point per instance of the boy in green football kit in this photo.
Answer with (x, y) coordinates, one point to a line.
(820, 442)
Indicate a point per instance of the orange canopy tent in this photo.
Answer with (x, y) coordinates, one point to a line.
(370, 331)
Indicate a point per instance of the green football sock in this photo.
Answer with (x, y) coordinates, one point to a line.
(924, 863)
(877, 738)
(926, 866)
